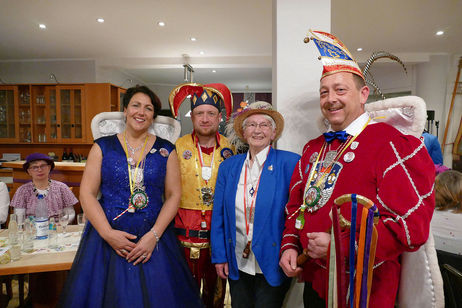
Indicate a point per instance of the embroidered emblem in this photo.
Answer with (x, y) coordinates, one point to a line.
(163, 152)
(348, 157)
(307, 168)
(313, 157)
(354, 145)
(187, 154)
(226, 153)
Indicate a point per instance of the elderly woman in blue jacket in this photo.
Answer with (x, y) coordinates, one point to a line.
(248, 214)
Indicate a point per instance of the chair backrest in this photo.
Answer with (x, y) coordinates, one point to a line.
(452, 259)
(110, 123)
(452, 286)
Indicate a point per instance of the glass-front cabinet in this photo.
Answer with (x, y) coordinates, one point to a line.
(53, 113)
(8, 112)
(70, 113)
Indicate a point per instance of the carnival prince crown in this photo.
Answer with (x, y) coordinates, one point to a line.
(335, 57)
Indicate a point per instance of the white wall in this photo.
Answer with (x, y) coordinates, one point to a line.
(296, 68)
(431, 82)
(32, 71)
(296, 73)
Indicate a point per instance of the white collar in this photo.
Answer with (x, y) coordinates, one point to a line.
(260, 157)
(356, 126)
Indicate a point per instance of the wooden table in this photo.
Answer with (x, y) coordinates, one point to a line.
(42, 262)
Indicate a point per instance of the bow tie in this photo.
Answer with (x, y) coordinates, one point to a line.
(340, 135)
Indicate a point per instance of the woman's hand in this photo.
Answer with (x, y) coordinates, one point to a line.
(120, 242)
(143, 250)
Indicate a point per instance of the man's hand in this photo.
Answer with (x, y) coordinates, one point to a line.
(318, 243)
(222, 270)
(288, 263)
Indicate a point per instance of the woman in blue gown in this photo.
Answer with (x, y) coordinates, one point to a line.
(128, 255)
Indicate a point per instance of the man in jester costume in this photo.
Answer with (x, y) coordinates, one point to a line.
(200, 154)
(357, 155)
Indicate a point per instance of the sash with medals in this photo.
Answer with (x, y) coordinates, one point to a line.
(138, 198)
(315, 183)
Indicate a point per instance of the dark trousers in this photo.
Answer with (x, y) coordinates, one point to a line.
(213, 287)
(311, 298)
(251, 291)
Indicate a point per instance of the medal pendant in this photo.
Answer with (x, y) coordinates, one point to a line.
(312, 196)
(207, 196)
(246, 251)
(203, 224)
(329, 159)
(139, 199)
(131, 161)
(206, 173)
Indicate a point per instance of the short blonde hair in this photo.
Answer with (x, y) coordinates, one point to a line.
(448, 191)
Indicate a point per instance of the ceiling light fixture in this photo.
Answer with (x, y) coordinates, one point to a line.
(100, 20)
(193, 39)
(439, 32)
(214, 71)
(359, 49)
(201, 52)
(161, 24)
(42, 26)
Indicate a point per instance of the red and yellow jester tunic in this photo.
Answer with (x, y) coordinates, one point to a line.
(391, 169)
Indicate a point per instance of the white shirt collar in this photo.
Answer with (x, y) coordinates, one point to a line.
(356, 126)
(260, 157)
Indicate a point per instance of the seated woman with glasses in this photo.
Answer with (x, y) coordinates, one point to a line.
(43, 287)
(57, 195)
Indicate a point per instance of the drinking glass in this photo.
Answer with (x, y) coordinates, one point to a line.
(63, 221)
(81, 219)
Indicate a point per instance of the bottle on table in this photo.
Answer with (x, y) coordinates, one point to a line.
(41, 218)
(65, 157)
(13, 237)
(53, 233)
(71, 157)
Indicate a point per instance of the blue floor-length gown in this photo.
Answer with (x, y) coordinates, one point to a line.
(101, 278)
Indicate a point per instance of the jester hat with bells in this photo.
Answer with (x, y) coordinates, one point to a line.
(215, 94)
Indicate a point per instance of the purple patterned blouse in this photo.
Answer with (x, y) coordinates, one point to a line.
(59, 196)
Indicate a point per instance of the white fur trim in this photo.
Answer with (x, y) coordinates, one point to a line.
(408, 114)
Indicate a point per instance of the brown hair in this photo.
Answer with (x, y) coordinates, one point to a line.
(448, 191)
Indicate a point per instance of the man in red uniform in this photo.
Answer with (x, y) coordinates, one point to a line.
(357, 156)
(200, 154)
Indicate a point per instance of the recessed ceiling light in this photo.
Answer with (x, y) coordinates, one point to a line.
(193, 39)
(201, 52)
(439, 32)
(214, 71)
(359, 49)
(100, 20)
(161, 24)
(42, 26)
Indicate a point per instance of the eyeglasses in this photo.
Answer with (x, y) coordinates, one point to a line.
(37, 167)
(262, 125)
